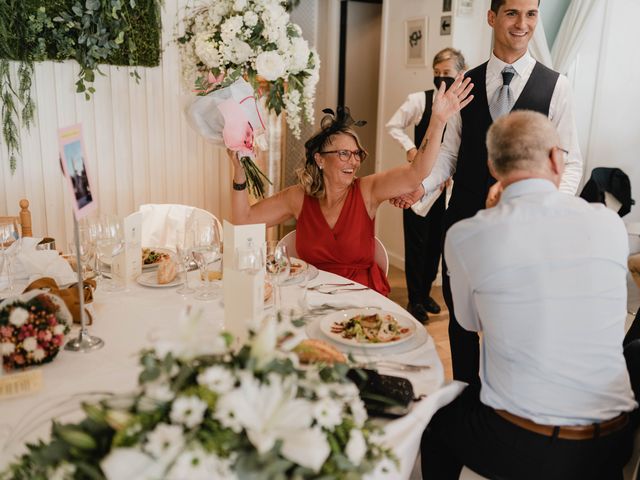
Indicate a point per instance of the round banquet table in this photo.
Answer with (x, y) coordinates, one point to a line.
(130, 321)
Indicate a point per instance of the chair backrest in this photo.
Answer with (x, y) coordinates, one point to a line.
(380, 254)
(162, 221)
(23, 219)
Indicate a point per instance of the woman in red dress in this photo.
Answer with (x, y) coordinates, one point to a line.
(335, 211)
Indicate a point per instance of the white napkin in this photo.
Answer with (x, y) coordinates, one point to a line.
(31, 264)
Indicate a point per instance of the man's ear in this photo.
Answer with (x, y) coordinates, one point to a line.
(491, 18)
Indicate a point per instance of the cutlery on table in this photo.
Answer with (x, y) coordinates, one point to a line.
(322, 285)
(341, 290)
(390, 364)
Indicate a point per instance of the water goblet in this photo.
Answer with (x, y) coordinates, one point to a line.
(207, 251)
(109, 245)
(278, 265)
(184, 248)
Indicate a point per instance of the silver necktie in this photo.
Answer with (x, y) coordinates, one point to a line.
(502, 101)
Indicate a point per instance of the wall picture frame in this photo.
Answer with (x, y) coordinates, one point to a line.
(415, 38)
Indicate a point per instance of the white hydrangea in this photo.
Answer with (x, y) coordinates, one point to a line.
(188, 411)
(18, 316)
(250, 18)
(299, 55)
(207, 52)
(239, 5)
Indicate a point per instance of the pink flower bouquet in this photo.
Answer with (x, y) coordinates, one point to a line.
(32, 329)
(228, 114)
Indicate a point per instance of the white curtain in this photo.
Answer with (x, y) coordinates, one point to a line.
(539, 47)
(572, 32)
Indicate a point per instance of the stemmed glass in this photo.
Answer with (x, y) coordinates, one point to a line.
(86, 248)
(207, 250)
(184, 247)
(110, 244)
(278, 266)
(10, 244)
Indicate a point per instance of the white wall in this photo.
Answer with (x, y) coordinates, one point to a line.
(139, 146)
(397, 81)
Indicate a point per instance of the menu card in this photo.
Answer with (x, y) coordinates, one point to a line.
(243, 292)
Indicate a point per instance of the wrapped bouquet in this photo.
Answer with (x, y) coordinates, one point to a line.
(32, 329)
(203, 410)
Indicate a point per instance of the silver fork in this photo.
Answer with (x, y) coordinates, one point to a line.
(341, 290)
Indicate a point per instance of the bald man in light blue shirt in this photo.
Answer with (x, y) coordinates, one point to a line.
(542, 275)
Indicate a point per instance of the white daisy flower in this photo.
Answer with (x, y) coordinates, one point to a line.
(188, 411)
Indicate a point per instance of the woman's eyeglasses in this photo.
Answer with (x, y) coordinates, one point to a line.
(345, 155)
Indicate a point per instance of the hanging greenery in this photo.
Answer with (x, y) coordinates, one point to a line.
(91, 32)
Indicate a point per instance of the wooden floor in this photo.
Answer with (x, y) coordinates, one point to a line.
(436, 326)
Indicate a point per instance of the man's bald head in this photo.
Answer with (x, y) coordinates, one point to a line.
(522, 142)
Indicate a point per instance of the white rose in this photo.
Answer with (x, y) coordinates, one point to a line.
(356, 447)
(18, 316)
(38, 355)
(58, 329)
(300, 54)
(7, 348)
(270, 65)
(30, 344)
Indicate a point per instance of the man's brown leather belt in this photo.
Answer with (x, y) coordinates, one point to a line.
(569, 432)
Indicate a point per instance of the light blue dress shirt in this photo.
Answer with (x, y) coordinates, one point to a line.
(543, 276)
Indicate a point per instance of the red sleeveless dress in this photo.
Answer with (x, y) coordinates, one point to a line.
(348, 248)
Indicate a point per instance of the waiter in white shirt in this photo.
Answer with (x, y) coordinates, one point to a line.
(422, 228)
(543, 276)
(510, 80)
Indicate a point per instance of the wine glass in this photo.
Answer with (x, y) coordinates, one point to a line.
(207, 251)
(184, 247)
(110, 244)
(86, 248)
(278, 265)
(10, 244)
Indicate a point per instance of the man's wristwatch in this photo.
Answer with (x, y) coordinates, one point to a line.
(240, 186)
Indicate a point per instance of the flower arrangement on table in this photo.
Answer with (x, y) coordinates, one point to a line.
(205, 411)
(225, 40)
(32, 329)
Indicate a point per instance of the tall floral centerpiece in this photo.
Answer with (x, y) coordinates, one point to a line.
(225, 40)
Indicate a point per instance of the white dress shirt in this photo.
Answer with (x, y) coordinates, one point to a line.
(409, 114)
(543, 276)
(560, 114)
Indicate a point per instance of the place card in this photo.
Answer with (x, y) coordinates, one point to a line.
(20, 383)
(243, 292)
(129, 263)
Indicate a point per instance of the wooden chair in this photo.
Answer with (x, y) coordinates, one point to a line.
(23, 219)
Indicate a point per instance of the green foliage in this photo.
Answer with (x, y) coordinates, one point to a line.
(91, 32)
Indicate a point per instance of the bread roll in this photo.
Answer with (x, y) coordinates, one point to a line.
(317, 351)
(167, 271)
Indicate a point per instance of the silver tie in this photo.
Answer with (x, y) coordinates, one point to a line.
(502, 101)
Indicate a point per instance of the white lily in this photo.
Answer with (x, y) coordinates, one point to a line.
(127, 463)
(308, 448)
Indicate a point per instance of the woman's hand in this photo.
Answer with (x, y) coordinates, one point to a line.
(453, 100)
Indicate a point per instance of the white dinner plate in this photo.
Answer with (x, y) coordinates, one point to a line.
(327, 322)
(150, 279)
(299, 276)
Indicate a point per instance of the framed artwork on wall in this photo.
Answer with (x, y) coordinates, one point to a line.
(415, 38)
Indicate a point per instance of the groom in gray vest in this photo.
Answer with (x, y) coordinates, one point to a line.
(510, 80)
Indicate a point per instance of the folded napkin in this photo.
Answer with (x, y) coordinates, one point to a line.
(30, 264)
(69, 295)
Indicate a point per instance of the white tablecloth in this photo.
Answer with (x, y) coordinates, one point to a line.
(130, 321)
